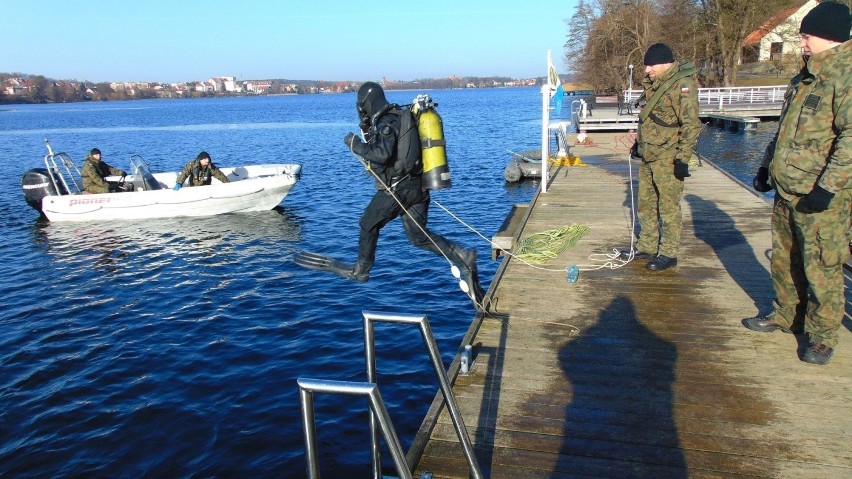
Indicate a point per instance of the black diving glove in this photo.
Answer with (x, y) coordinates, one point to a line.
(816, 201)
(681, 170)
(761, 180)
(350, 139)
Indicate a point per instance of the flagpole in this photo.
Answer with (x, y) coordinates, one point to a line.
(545, 123)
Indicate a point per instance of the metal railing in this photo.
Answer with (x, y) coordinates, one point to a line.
(63, 178)
(307, 388)
(756, 95)
(720, 97)
(379, 419)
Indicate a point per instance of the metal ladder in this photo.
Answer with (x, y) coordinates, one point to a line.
(379, 418)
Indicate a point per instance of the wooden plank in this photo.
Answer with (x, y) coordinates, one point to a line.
(631, 373)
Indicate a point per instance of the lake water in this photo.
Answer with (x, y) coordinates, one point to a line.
(171, 348)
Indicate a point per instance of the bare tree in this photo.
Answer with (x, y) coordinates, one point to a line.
(604, 36)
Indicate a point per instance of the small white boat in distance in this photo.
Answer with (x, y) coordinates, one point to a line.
(56, 192)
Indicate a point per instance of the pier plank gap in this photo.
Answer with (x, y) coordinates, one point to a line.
(629, 373)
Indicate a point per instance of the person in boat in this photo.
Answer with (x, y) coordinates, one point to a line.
(94, 174)
(200, 171)
(809, 164)
(668, 133)
(400, 192)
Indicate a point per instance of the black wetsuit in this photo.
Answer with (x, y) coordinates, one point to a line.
(381, 151)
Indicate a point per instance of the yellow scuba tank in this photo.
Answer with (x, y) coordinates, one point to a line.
(436, 172)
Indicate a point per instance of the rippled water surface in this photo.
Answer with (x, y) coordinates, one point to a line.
(171, 348)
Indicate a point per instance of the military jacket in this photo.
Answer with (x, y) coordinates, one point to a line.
(199, 175)
(670, 130)
(93, 175)
(813, 144)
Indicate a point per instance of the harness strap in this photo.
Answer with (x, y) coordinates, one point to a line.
(656, 119)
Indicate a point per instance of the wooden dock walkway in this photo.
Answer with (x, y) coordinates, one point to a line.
(629, 373)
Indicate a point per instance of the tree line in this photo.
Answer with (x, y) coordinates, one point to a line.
(40, 89)
(605, 36)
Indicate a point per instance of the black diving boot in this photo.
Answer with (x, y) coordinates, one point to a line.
(468, 260)
(360, 272)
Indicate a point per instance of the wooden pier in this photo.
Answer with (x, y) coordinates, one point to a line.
(629, 373)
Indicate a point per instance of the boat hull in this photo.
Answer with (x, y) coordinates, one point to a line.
(251, 188)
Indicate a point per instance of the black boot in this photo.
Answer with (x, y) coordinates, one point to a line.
(361, 271)
(468, 259)
(626, 253)
(661, 262)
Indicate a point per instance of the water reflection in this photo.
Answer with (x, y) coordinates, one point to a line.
(109, 246)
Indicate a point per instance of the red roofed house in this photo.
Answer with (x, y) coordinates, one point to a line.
(779, 36)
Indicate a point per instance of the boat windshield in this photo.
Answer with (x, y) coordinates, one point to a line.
(143, 179)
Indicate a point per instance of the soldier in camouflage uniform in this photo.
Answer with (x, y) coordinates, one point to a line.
(200, 172)
(95, 172)
(808, 162)
(668, 132)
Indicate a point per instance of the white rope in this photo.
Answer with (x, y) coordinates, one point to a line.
(613, 260)
(491, 243)
(610, 260)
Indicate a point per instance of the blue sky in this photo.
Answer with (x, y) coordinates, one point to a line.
(186, 40)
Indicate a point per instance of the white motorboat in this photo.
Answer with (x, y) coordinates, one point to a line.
(56, 191)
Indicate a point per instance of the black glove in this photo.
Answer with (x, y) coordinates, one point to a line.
(760, 182)
(349, 139)
(634, 150)
(681, 170)
(816, 201)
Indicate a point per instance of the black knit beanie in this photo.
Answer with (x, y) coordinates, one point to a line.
(94, 151)
(828, 20)
(658, 53)
(203, 155)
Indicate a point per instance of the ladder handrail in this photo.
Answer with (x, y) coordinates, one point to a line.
(432, 348)
(307, 388)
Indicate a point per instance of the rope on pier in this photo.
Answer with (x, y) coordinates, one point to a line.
(540, 247)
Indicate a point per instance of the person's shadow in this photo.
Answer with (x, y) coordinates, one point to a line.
(717, 230)
(620, 416)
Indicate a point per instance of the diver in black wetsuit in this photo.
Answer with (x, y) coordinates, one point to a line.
(399, 171)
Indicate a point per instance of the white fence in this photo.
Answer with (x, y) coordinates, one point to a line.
(721, 97)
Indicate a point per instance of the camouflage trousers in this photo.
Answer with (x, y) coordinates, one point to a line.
(659, 209)
(808, 254)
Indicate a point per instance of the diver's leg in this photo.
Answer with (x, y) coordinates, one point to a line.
(419, 235)
(381, 210)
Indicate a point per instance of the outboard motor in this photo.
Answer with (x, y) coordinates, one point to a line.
(37, 184)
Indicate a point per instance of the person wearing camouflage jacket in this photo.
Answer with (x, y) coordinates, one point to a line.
(809, 163)
(668, 132)
(95, 172)
(200, 171)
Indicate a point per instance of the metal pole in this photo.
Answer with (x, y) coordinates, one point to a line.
(630, 90)
(452, 407)
(310, 433)
(545, 120)
(370, 358)
(377, 406)
(446, 390)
